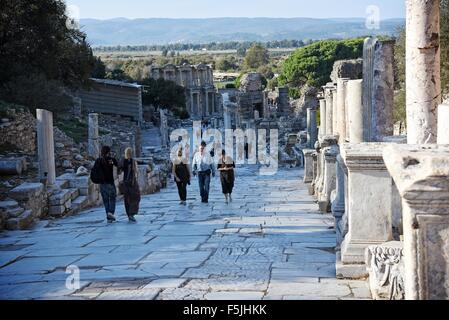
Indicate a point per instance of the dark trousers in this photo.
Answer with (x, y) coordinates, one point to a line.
(108, 194)
(204, 183)
(182, 190)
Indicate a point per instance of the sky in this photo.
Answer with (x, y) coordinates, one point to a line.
(132, 9)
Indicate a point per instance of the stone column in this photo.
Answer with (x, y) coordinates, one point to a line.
(308, 165)
(370, 206)
(46, 147)
(206, 95)
(334, 112)
(338, 205)
(322, 117)
(191, 104)
(423, 78)
(355, 111)
(378, 89)
(312, 130)
(329, 109)
(93, 142)
(164, 128)
(319, 172)
(421, 175)
(198, 104)
(443, 124)
(329, 150)
(341, 109)
(311, 187)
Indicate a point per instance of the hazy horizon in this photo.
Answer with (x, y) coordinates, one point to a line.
(202, 9)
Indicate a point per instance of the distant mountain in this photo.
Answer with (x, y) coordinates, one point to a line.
(122, 31)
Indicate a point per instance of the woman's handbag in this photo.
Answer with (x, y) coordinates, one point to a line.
(122, 187)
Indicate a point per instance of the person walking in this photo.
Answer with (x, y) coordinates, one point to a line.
(181, 173)
(204, 167)
(103, 170)
(130, 186)
(226, 167)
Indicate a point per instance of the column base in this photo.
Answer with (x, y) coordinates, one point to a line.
(311, 189)
(324, 206)
(350, 271)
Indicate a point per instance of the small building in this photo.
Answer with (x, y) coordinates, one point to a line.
(113, 97)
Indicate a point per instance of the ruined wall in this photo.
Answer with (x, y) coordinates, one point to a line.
(18, 128)
(350, 69)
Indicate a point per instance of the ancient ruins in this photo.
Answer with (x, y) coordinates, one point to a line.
(380, 206)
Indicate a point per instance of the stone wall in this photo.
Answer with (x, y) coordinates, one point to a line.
(121, 133)
(18, 128)
(349, 69)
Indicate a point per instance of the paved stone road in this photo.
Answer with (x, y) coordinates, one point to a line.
(270, 243)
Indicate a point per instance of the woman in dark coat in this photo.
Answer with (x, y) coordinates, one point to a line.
(181, 173)
(226, 167)
(130, 186)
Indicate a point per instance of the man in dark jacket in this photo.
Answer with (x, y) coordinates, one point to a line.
(107, 187)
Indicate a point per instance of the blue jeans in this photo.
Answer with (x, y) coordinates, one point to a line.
(204, 182)
(109, 194)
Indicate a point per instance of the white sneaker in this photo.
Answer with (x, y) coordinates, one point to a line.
(111, 217)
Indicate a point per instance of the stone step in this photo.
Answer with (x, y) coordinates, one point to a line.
(24, 221)
(80, 203)
(61, 197)
(14, 213)
(74, 193)
(62, 183)
(8, 205)
(60, 210)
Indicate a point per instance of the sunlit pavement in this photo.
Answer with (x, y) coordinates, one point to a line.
(269, 243)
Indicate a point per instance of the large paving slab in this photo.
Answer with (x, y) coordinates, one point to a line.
(269, 243)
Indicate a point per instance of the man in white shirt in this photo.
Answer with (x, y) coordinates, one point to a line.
(203, 165)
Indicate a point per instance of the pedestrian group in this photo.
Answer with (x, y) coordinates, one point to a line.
(203, 166)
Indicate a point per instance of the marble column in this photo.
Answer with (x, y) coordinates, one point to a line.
(329, 109)
(378, 89)
(341, 109)
(308, 165)
(311, 187)
(192, 112)
(338, 205)
(206, 95)
(329, 150)
(443, 124)
(355, 111)
(199, 107)
(319, 176)
(93, 138)
(46, 147)
(312, 130)
(335, 112)
(322, 117)
(369, 208)
(421, 175)
(423, 74)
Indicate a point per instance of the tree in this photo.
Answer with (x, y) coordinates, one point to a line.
(165, 94)
(241, 51)
(313, 64)
(256, 56)
(119, 75)
(40, 46)
(99, 71)
(224, 65)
